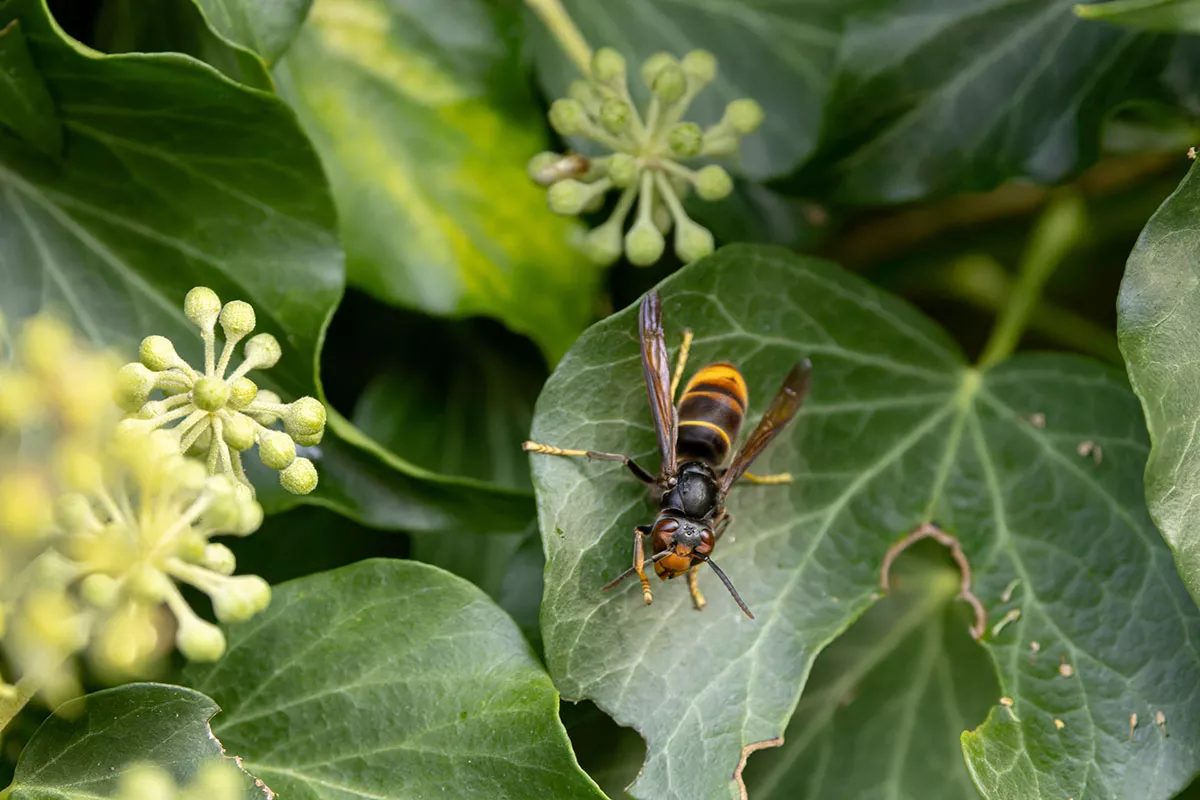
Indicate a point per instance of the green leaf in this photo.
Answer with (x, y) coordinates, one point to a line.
(1158, 314)
(423, 121)
(1169, 16)
(25, 104)
(882, 712)
(178, 26)
(222, 190)
(82, 752)
(794, 48)
(391, 679)
(898, 431)
(267, 28)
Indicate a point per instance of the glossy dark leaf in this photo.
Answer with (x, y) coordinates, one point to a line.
(898, 431)
(26, 107)
(83, 751)
(391, 680)
(267, 28)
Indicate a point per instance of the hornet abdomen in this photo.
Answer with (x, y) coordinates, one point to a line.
(711, 411)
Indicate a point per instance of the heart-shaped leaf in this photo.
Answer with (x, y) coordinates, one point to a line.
(1158, 316)
(882, 712)
(82, 752)
(1034, 465)
(390, 680)
(425, 127)
(224, 191)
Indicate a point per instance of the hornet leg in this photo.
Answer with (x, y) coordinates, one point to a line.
(697, 599)
(777, 479)
(639, 560)
(593, 455)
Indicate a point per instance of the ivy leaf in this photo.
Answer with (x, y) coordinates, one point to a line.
(899, 431)
(1169, 16)
(391, 679)
(426, 149)
(882, 712)
(264, 28)
(223, 191)
(81, 752)
(25, 105)
(794, 47)
(1158, 314)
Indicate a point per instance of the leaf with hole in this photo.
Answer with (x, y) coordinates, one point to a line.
(1034, 465)
(391, 680)
(82, 752)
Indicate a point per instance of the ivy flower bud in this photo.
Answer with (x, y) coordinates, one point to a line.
(299, 477)
(21, 400)
(202, 306)
(623, 170)
(217, 780)
(700, 66)
(653, 65)
(685, 140)
(608, 66)
(210, 394)
(540, 165)
(147, 783)
(644, 244)
(568, 117)
(584, 93)
(134, 384)
(78, 464)
(148, 584)
(304, 417)
(26, 505)
(263, 351)
(276, 450)
(238, 431)
(100, 591)
(614, 115)
(239, 599)
(744, 115)
(309, 440)
(713, 183)
(199, 640)
(603, 244)
(567, 197)
(670, 83)
(45, 343)
(157, 353)
(74, 514)
(692, 241)
(219, 559)
(242, 393)
(237, 319)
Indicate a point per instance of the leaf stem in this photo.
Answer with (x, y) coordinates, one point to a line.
(563, 28)
(1058, 230)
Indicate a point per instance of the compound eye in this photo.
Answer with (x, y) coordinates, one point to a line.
(664, 529)
(707, 540)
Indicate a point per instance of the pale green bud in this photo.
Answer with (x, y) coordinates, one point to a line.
(608, 66)
(662, 219)
(568, 197)
(744, 115)
(237, 319)
(202, 306)
(265, 416)
(654, 65)
(614, 115)
(276, 450)
(147, 783)
(189, 546)
(568, 117)
(238, 599)
(700, 66)
(713, 183)
(100, 591)
(603, 244)
(250, 520)
(134, 384)
(148, 584)
(299, 477)
(158, 353)
(670, 83)
(238, 431)
(263, 351)
(309, 440)
(685, 140)
(540, 165)
(217, 780)
(191, 475)
(74, 513)
(584, 93)
(623, 170)
(644, 243)
(199, 640)
(224, 509)
(218, 558)
(242, 393)
(304, 417)
(210, 394)
(692, 241)
(719, 142)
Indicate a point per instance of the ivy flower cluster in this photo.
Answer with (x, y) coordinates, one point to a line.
(217, 412)
(647, 151)
(218, 779)
(99, 523)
